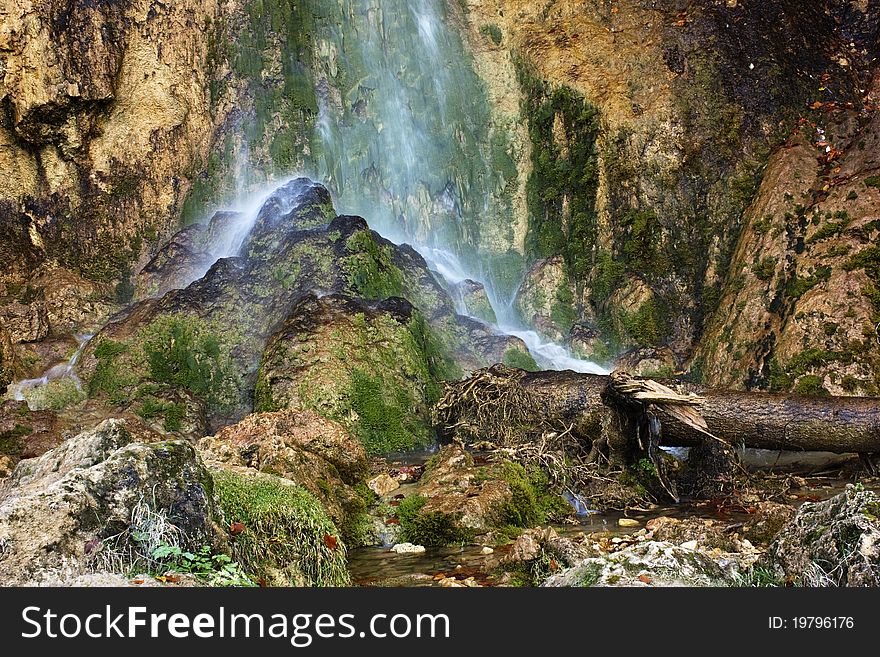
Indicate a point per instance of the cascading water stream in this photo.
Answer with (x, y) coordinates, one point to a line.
(407, 147)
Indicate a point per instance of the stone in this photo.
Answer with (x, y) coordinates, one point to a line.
(474, 298)
(455, 486)
(25, 322)
(487, 550)
(689, 545)
(303, 447)
(545, 299)
(25, 434)
(57, 510)
(767, 521)
(628, 522)
(651, 563)
(831, 543)
(383, 484)
(408, 548)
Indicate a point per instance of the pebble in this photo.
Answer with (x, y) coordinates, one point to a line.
(689, 545)
(408, 548)
(628, 522)
(383, 484)
(486, 550)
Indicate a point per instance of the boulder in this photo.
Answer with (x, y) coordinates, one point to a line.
(832, 543)
(72, 508)
(24, 433)
(303, 447)
(383, 484)
(767, 521)
(474, 298)
(651, 563)
(545, 299)
(372, 367)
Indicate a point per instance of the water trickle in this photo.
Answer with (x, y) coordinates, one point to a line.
(67, 370)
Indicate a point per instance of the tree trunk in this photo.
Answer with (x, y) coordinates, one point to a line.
(752, 419)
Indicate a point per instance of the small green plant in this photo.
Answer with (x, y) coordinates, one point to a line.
(213, 569)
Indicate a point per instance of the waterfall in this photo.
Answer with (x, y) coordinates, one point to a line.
(20, 390)
(402, 138)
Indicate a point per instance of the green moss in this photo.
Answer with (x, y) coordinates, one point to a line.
(810, 384)
(432, 528)
(109, 377)
(173, 350)
(10, 441)
(564, 176)
(562, 311)
(370, 271)
(646, 326)
(55, 395)
(872, 181)
(520, 359)
(385, 419)
(765, 268)
(492, 32)
(830, 229)
(797, 287)
(532, 501)
(284, 530)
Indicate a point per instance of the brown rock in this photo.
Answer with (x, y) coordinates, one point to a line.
(383, 484)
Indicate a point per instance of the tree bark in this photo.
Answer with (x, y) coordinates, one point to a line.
(751, 419)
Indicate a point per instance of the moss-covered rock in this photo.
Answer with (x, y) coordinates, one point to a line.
(75, 506)
(831, 543)
(286, 537)
(374, 368)
(305, 448)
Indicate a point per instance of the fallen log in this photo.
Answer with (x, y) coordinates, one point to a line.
(493, 402)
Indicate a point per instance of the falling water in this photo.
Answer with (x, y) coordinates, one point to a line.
(67, 370)
(407, 146)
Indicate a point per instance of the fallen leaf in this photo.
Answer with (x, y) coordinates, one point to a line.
(439, 576)
(330, 541)
(137, 581)
(553, 565)
(645, 579)
(236, 528)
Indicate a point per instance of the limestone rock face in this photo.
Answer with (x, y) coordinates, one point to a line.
(56, 511)
(679, 150)
(545, 299)
(797, 313)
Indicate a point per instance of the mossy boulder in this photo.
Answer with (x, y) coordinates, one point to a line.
(475, 299)
(314, 452)
(464, 499)
(214, 332)
(546, 299)
(375, 368)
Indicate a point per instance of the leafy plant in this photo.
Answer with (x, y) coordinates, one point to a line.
(213, 569)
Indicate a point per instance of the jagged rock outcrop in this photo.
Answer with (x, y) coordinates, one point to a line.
(66, 510)
(189, 360)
